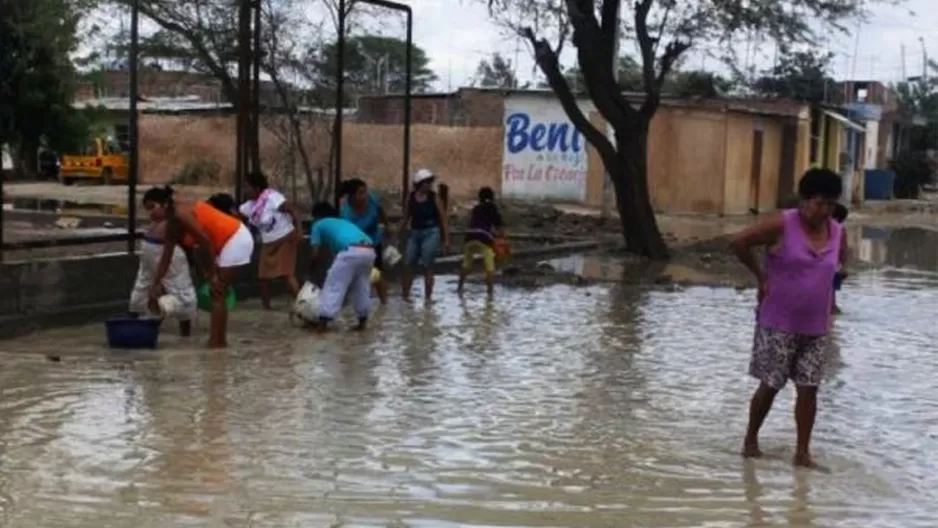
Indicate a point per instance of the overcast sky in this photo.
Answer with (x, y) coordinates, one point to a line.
(457, 34)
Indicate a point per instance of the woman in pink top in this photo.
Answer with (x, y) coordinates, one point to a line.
(804, 248)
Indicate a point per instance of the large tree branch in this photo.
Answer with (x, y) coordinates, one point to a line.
(547, 60)
(646, 46)
(595, 54)
(198, 46)
(672, 53)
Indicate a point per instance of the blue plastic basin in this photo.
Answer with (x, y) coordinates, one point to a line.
(132, 333)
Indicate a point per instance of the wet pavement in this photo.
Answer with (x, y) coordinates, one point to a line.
(603, 405)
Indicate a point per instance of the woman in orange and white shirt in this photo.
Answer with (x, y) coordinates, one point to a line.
(222, 246)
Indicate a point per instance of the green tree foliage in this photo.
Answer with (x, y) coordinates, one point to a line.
(663, 31)
(913, 170)
(800, 75)
(37, 38)
(497, 72)
(690, 83)
(374, 64)
(919, 97)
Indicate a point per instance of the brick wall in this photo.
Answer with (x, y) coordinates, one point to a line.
(158, 83)
(467, 107)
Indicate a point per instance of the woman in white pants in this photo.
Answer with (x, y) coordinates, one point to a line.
(350, 272)
(176, 283)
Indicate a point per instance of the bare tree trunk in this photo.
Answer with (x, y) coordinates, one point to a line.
(629, 173)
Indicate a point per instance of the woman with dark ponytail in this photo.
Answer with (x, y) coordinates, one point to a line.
(223, 245)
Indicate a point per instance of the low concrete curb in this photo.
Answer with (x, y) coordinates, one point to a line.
(80, 290)
(453, 262)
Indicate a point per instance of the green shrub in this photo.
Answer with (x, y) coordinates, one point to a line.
(913, 170)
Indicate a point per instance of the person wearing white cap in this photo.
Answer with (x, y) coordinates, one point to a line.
(426, 218)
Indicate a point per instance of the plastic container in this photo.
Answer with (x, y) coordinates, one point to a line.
(123, 332)
(204, 297)
(878, 184)
(501, 248)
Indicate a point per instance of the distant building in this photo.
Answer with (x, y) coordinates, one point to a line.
(163, 84)
(477, 107)
(876, 106)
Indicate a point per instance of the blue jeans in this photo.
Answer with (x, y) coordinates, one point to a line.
(422, 247)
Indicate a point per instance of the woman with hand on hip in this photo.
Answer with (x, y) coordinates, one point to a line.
(427, 219)
(804, 248)
(275, 219)
(223, 245)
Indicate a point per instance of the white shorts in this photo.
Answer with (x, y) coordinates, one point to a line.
(237, 251)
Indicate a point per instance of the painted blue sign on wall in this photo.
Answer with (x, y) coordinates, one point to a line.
(521, 134)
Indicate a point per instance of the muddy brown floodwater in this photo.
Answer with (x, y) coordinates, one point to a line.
(603, 405)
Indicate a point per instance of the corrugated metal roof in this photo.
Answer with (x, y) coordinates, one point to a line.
(188, 104)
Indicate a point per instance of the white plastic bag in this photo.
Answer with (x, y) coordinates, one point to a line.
(169, 305)
(306, 306)
(391, 256)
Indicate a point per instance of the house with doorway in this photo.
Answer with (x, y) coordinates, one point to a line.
(838, 143)
(710, 156)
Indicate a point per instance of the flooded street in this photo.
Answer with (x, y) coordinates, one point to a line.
(594, 406)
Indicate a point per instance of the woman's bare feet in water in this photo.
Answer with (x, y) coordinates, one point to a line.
(804, 460)
(751, 450)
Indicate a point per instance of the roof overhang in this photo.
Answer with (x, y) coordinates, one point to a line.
(844, 121)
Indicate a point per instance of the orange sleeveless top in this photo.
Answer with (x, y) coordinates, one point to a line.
(219, 226)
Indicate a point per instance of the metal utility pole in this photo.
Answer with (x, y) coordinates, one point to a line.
(339, 104)
(133, 126)
(340, 82)
(607, 178)
(256, 92)
(902, 54)
(243, 102)
(924, 60)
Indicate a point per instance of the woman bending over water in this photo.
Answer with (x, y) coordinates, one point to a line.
(176, 281)
(804, 249)
(223, 245)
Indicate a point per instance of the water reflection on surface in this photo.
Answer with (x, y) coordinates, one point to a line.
(599, 406)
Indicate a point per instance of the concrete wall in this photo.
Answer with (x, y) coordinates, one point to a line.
(701, 161)
(686, 160)
(692, 151)
(45, 293)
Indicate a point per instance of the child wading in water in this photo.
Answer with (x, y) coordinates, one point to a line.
(485, 223)
(840, 215)
(804, 249)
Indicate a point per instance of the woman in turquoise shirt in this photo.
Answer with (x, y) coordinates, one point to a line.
(363, 209)
(350, 272)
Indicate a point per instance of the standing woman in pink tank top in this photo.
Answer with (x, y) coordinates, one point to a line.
(804, 248)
